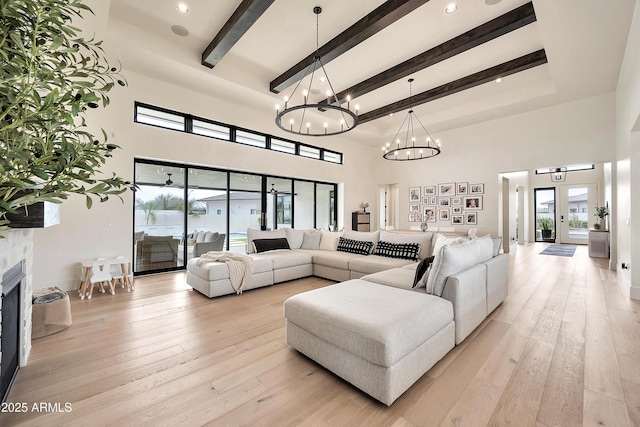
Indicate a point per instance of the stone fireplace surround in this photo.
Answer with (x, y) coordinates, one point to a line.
(17, 245)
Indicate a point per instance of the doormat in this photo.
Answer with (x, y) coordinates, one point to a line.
(559, 250)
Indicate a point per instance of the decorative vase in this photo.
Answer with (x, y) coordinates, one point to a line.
(424, 226)
(603, 224)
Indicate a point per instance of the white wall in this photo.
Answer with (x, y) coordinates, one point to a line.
(107, 229)
(626, 170)
(571, 133)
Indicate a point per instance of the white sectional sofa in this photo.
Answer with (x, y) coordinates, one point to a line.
(384, 325)
(311, 253)
(381, 334)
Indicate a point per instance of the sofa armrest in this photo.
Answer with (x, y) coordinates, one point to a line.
(497, 281)
(466, 290)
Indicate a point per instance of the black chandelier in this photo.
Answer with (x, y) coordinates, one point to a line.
(414, 147)
(303, 117)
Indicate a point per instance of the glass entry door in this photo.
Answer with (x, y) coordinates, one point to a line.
(577, 204)
(545, 215)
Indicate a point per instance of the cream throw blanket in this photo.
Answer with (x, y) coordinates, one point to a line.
(240, 266)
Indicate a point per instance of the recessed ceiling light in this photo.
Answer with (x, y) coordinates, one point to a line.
(452, 7)
(182, 8)
(499, 80)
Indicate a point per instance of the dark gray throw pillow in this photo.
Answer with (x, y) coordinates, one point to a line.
(422, 269)
(264, 245)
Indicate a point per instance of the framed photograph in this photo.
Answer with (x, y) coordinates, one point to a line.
(425, 200)
(444, 202)
(457, 219)
(430, 190)
(415, 215)
(443, 215)
(462, 188)
(456, 201)
(414, 194)
(433, 200)
(476, 189)
(472, 203)
(429, 213)
(456, 210)
(448, 189)
(471, 218)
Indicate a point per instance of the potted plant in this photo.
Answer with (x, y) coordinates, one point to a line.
(546, 226)
(601, 212)
(49, 77)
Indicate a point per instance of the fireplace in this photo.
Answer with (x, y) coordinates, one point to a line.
(10, 328)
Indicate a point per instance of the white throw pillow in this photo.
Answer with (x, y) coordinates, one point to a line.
(450, 260)
(294, 237)
(259, 234)
(484, 246)
(329, 240)
(497, 245)
(441, 240)
(311, 240)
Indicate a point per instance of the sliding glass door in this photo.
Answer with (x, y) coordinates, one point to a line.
(159, 217)
(183, 211)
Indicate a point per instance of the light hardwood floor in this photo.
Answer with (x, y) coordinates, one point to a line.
(562, 350)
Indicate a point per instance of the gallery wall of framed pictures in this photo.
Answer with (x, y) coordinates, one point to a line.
(457, 203)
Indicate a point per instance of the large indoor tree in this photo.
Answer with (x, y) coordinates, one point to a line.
(49, 76)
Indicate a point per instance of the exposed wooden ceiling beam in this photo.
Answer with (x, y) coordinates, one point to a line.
(386, 14)
(497, 27)
(240, 21)
(485, 76)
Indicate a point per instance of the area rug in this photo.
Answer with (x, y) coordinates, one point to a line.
(559, 250)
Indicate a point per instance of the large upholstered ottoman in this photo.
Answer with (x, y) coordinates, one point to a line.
(379, 338)
(212, 278)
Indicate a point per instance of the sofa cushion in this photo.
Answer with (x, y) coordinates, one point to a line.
(329, 240)
(421, 270)
(442, 240)
(199, 236)
(408, 251)
(253, 234)
(210, 236)
(335, 259)
(450, 260)
(425, 239)
(311, 240)
(484, 246)
(497, 245)
(374, 263)
(264, 245)
(212, 271)
(354, 246)
(356, 316)
(367, 236)
(285, 258)
(294, 237)
(396, 277)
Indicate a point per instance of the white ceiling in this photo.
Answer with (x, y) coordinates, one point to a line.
(584, 42)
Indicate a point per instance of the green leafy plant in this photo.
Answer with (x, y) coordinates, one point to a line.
(601, 212)
(545, 223)
(49, 77)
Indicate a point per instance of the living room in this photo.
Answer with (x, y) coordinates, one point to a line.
(590, 117)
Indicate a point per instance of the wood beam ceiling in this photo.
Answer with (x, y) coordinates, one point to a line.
(525, 62)
(497, 27)
(240, 21)
(386, 14)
